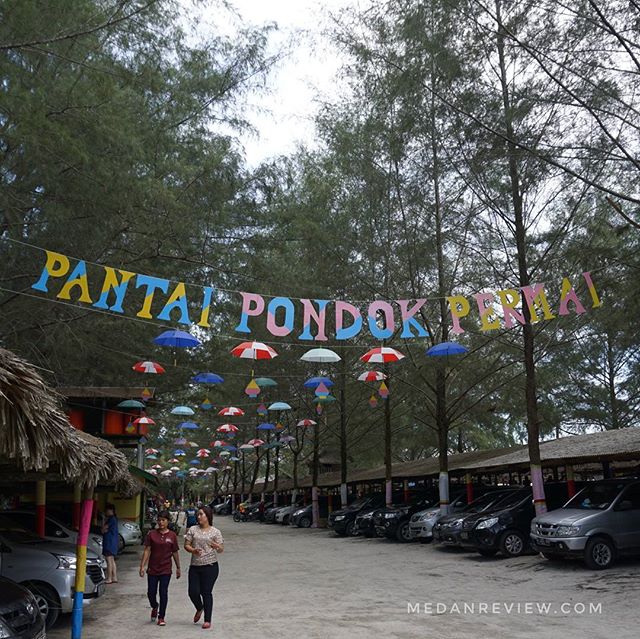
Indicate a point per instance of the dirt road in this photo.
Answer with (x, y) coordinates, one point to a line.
(308, 584)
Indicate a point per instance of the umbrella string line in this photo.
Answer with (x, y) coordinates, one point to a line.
(430, 298)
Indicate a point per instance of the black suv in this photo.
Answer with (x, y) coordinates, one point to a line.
(505, 527)
(393, 522)
(343, 521)
(20, 617)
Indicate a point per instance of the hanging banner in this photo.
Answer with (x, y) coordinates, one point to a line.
(154, 298)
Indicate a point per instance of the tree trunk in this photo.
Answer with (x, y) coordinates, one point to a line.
(314, 483)
(611, 384)
(343, 435)
(387, 449)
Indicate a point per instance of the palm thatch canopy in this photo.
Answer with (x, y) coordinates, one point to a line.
(35, 434)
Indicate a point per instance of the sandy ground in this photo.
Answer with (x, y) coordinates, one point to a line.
(308, 584)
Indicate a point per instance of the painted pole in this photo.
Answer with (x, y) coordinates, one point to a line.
(77, 504)
(81, 564)
(571, 484)
(41, 505)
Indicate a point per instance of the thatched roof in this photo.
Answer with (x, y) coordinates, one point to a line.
(35, 434)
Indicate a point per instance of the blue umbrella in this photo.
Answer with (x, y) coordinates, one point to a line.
(229, 447)
(207, 378)
(182, 410)
(264, 382)
(179, 451)
(234, 458)
(131, 403)
(312, 382)
(266, 427)
(178, 339)
(188, 425)
(446, 348)
(181, 473)
(280, 406)
(195, 462)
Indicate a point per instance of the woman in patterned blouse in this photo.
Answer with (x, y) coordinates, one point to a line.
(204, 542)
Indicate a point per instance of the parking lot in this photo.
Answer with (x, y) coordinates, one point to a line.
(289, 582)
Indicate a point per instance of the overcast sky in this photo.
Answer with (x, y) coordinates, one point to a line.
(283, 117)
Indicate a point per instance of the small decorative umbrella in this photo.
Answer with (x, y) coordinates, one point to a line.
(148, 367)
(325, 399)
(153, 471)
(252, 389)
(206, 404)
(321, 356)
(383, 391)
(181, 441)
(322, 390)
(144, 421)
(287, 439)
(166, 473)
(218, 443)
(373, 402)
(176, 339)
(306, 422)
(262, 410)
(227, 428)
(182, 410)
(382, 355)
(234, 458)
(151, 457)
(175, 468)
(231, 411)
(372, 376)
(194, 462)
(131, 403)
(151, 451)
(207, 378)
(266, 427)
(225, 453)
(265, 382)
(445, 349)
(246, 447)
(314, 382)
(255, 442)
(253, 350)
(146, 394)
(188, 425)
(179, 452)
(229, 447)
(157, 466)
(279, 406)
(174, 461)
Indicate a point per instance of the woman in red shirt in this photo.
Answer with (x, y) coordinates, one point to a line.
(160, 545)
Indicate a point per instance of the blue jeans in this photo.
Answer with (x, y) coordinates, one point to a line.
(153, 581)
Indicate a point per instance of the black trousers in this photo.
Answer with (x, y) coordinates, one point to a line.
(201, 582)
(153, 581)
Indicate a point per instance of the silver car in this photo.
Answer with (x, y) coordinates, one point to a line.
(48, 570)
(129, 534)
(284, 514)
(597, 524)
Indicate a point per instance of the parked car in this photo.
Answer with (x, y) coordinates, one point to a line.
(303, 516)
(447, 529)
(283, 514)
(20, 617)
(223, 508)
(599, 523)
(48, 570)
(363, 524)
(257, 510)
(343, 521)
(394, 522)
(54, 529)
(505, 527)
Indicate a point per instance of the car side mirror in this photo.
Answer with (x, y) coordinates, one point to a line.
(59, 533)
(625, 504)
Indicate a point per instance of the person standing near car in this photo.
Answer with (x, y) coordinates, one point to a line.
(110, 542)
(191, 518)
(160, 546)
(204, 542)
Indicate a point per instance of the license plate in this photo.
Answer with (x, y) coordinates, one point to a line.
(464, 535)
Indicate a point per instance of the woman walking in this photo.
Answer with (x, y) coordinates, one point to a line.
(160, 546)
(204, 542)
(110, 538)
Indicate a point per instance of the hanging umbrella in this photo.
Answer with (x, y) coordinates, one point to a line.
(280, 406)
(188, 425)
(266, 427)
(194, 462)
(287, 439)
(175, 468)
(193, 444)
(174, 461)
(246, 447)
(151, 451)
(166, 473)
(151, 456)
(229, 447)
(373, 402)
(383, 391)
(227, 428)
(272, 445)
(179, 452)
(322, 390)
(181, 441)
(446, 348)
(206, 404)
(131, 403)
(382, 355)
(321, 356)
(218, 443)
(372, 376)
(252, 389)
(325, 399)
(202, 454)
(225, 453)
(204, 451)
(306, 422)
(158, 466)
(152, 471)
(144, 421)
(148, 367)
(146, 394)
(207, 378)
(177, 339)
(255, 442)
(279, 426)
(265, 382)
(182, 410)
(210, 470)
(262, 410)
(231, 411)
(313, 382)
(234, 458)
(253, 350)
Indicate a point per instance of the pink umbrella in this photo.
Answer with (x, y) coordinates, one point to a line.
(218, 443)
(227, 428)
(306, 422)
(372, 376)
(285, 439)
(382, 355)
(151, 451)
(231, 411)
(174, 461)
(148, 367)
(254, 350)
(255, 442)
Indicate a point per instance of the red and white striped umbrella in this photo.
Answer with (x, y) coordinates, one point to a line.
(144, 420)
(382, 355)
(151, 451)
(253, 350)
(227, 428)
(203, 452)
(231, 411)
(218, 443)
(306, 422)
(372, 376)
(255, 442)
(148, 367)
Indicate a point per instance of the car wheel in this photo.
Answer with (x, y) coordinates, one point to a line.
(47, 601)
(488, 552)
(512, 543)
(121, 544)
(403, 533)
(285, 520)
(304, 522)
(599, 553)
(348, 531)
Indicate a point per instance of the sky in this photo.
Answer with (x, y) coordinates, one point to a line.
(283, 117)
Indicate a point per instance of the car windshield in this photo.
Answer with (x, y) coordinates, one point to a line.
(511, 499)
(19, 535)
(478, 505)
(595, 496)
(357, 504)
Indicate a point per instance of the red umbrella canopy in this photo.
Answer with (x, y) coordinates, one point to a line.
(144, 420)
(306, 422)
(372, 376)
(231, 411)
(148, 367)
(255, 442)
(227, 428)
(382, 355)
(253, 350)
(218, 443)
